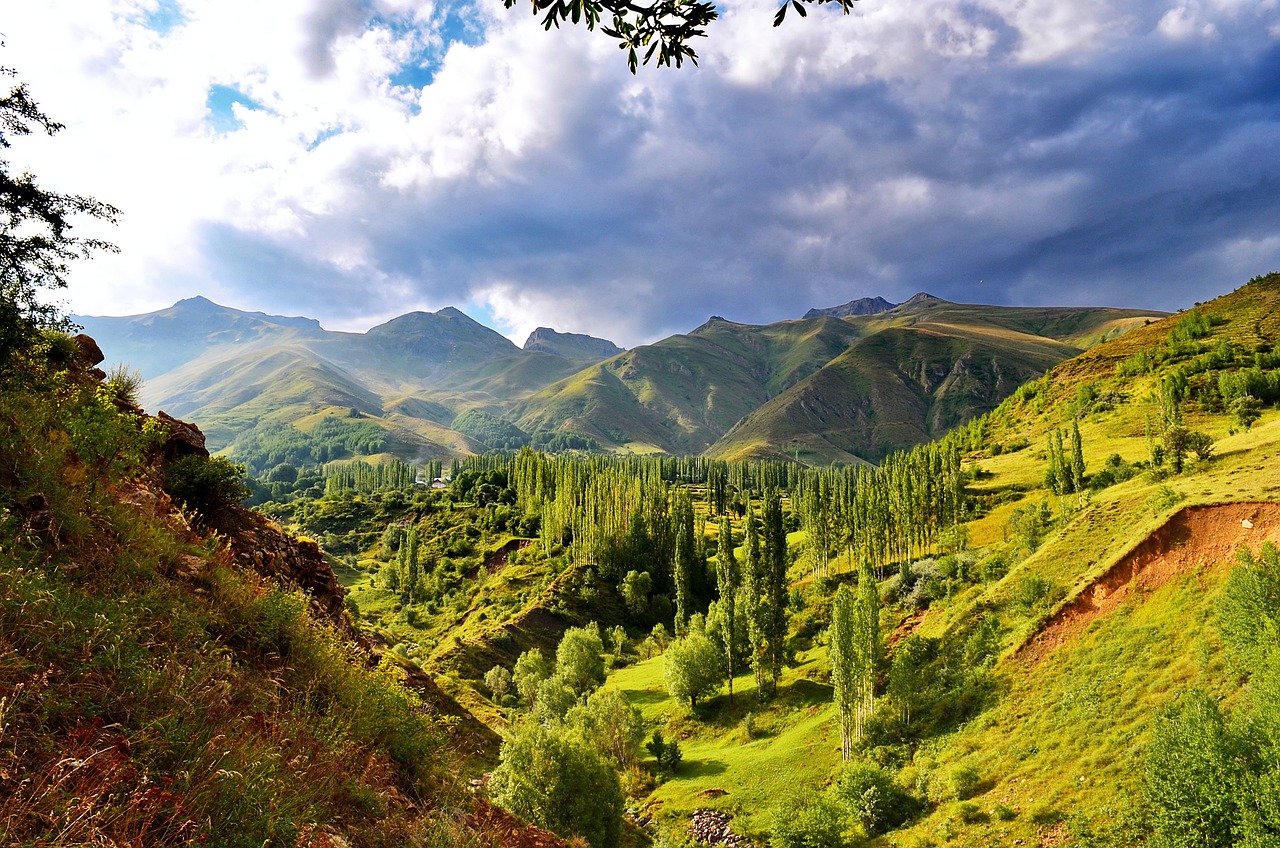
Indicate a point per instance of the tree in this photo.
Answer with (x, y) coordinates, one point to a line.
(635, 589)
(727, 580)
(498, 680)
(36, 244)
(753, 600)
(580, 658)
(531, 669)
(1190, 775)
(841, 650)
(556, 781)
(664, 27)
(692, 668)
(868, 648)
(1077, 458)
(685, 556)
(774, 557)
(607, 723)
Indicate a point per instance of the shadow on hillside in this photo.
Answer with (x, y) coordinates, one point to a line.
(702, 768)
(644, 697)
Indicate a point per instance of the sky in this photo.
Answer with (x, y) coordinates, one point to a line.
(353, 160)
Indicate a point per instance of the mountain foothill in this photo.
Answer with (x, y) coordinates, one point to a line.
(851, 383)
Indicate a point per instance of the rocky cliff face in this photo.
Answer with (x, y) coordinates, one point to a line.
(570, 345)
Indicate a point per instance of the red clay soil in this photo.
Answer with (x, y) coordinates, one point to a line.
(1194, 537)
(497, 560)
(498, 827)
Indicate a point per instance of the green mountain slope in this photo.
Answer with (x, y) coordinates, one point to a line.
(897, 388)
(824, 389)
(734, 390)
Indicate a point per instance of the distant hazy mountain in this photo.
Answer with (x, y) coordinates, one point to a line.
(160, 341)
(861, 306)
(440, 384)
(570, 345)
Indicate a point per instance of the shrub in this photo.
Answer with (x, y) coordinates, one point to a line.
(869, 794)
(965, 782)
(667, 754)
(817, 823)
(204, 483)
(971, 813)
(124, 384)
(559, 783)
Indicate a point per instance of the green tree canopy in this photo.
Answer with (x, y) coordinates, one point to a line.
(692, 668)
(556, 781)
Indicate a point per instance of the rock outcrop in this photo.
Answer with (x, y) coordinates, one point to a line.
(712, 827)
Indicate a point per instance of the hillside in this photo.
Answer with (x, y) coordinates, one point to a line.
(826, 389)
(175, 670)
(1036, 654)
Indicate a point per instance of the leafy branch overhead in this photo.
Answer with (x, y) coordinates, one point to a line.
(662, 29)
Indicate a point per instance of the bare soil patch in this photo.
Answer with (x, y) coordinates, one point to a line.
(1195, 537)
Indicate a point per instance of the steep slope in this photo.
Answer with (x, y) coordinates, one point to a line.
(1037, 666)
(237, 371)
(900, 387)
(159, 342)
(860, 306)
(824, 389)
(163, 684)
(680, 394)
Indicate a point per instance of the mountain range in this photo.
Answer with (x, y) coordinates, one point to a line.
(849, 383)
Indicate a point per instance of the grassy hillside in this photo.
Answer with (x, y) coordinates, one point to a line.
(1049, 634)
(164, 684)
(1095, 620)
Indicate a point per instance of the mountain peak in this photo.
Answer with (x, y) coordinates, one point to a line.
(922, 299)
(860, 306)
(570, 345)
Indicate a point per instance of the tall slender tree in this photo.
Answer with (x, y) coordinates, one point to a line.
(753, 612)
(774, 557)
(868, 649)
(728, 579)
(686, 552)
(842, 650)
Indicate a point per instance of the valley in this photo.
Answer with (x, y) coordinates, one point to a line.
(1061, 600)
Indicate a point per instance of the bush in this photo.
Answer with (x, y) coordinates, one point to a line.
(204, 483)
(559, 783)
(971, 813)
(965, 782)
(870, 795)
(667, 754)
(818, 823)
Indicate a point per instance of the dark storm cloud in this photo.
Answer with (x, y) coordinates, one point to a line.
(1143, 174)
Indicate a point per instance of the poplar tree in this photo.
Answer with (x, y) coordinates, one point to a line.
(868, 649)
(774, 574)
(753, 599)
(842, 650)
(1077, 458)
(685, 555)
(410, 572)
(727, 582)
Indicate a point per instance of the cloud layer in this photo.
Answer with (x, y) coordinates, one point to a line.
(354, 160)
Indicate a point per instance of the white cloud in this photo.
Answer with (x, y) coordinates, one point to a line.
(903, 145)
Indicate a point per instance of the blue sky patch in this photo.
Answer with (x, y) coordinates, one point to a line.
(454, 23)
(220, 115)
(166, 16)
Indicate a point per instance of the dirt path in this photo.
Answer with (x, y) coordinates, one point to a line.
(1195, 536)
